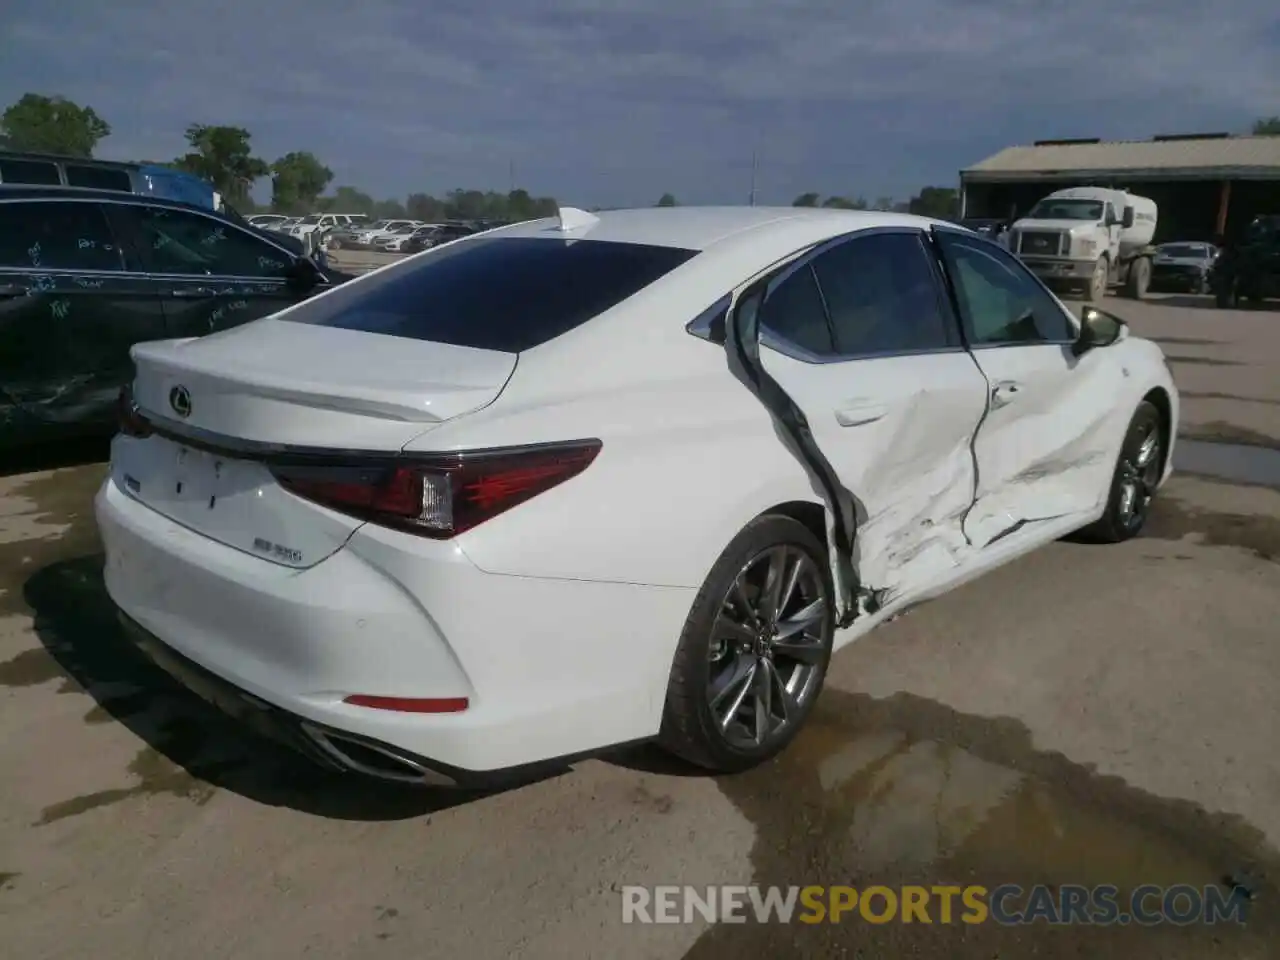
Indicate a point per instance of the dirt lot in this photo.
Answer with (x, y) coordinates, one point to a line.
(1089, 715)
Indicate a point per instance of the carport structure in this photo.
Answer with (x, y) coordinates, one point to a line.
(1206, 185)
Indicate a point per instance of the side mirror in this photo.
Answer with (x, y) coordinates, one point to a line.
(1097, 329)
(1127, 220)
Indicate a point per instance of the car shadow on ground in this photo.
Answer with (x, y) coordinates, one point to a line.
(54, 456)
(192, 749)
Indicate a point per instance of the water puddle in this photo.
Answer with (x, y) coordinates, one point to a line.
(1228, 461)
(905, 791)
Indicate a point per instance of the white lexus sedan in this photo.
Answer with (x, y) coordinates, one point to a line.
(598, 479)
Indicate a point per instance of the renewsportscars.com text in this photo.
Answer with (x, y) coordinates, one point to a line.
(1007, 904)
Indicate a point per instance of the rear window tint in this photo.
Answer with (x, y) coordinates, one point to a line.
(495, 293)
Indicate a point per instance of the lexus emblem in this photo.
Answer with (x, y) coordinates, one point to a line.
(180, 400)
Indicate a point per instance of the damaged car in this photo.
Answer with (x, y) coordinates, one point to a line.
(85, 274)
(606, 478)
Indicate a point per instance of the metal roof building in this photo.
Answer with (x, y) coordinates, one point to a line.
(1205, 184)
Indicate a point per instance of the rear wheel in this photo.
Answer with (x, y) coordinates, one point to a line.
(1134, 483)
(1139, 279)
(754, 651)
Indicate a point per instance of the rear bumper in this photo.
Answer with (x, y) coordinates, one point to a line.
(552, 669)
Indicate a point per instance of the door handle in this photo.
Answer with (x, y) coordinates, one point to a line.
(192, 293)
(1004, 392)
(14, 290)
(857, 415)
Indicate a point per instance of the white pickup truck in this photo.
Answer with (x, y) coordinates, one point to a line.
(1088, 239)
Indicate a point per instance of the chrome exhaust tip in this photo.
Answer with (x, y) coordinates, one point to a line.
(371, 760)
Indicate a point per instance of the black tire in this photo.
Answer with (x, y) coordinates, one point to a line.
(689, 728)
(1139, 280)
(1116, 524)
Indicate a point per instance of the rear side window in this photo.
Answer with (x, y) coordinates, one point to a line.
(793, 311)
(883, 297)
(57, 236)
(497, 293)
(98, 178)
(29, 171)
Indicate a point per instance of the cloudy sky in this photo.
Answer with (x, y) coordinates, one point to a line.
(610, 102)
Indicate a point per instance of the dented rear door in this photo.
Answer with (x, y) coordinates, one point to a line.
(1043, 451)
(861, 338)
(71, 306)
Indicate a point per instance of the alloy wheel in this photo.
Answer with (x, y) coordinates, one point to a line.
(1139, 476)
(767, 646)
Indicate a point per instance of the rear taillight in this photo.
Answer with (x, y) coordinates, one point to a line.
(132, 423)
(443, 497)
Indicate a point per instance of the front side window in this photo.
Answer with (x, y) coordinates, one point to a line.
(1000, 303)
(1060, 209)
(57, 236)
(180, 242)
(883, 297)
(505, 294)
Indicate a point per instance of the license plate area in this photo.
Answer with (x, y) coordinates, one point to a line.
(199, 477)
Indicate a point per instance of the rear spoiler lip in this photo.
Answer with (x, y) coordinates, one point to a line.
(305, 455)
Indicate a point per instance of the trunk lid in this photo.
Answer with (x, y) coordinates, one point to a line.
(279, 384)
(299, 384)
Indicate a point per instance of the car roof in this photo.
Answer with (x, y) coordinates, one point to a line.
(700, 228)
(30, 191)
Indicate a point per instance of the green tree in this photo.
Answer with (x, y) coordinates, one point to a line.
(806, 200)
(389, 210)
(1267, 127)
(347, 200)
(883, 203)
(423, 206)
(844, 203)
(297, 180)
(51, 125)
(222, 156)
(667, 200)
(939, 202)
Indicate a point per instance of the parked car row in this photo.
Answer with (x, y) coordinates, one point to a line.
(337, 231)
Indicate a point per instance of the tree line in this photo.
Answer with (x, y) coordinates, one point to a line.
(224, 156)
(939, 202)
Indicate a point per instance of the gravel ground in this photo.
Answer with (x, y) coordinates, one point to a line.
(1088, 715)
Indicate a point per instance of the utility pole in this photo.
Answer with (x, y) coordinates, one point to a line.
(511, 174)
(754, 169)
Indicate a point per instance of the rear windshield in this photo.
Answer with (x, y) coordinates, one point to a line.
(1182, 250)
(495, 293)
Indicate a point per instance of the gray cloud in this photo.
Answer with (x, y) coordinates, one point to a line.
(616, 101)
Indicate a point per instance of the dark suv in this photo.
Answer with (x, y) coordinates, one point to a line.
(1249, 271)
(86, 274)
